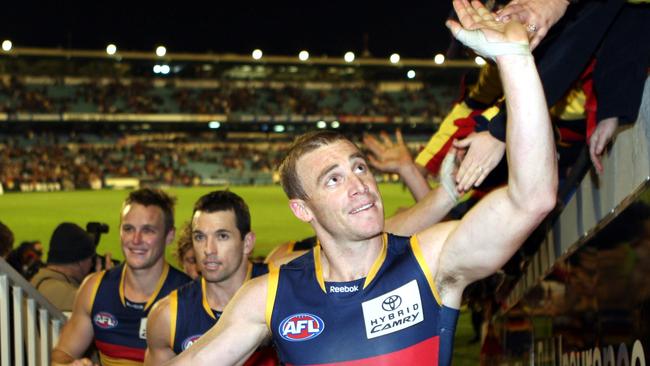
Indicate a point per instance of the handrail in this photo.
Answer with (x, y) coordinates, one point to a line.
(20, 328)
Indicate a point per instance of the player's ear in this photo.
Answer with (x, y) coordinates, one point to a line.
(249, 243)
(300, 209)
(171, 235)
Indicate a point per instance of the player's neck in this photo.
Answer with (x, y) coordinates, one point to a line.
(349, 261)
(139, 284)
(220, 293)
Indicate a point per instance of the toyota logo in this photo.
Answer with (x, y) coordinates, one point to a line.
(391, 303)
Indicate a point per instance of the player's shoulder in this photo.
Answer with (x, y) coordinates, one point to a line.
(162, 306)
(303, 261)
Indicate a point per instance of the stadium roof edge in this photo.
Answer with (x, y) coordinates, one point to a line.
(233, 58)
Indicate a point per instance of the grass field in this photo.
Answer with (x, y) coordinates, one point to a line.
(33, 216)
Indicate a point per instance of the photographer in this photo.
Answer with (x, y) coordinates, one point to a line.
(70, 260)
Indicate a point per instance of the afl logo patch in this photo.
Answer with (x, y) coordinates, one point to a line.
(189, 341)
(105, 320)
(301, 327)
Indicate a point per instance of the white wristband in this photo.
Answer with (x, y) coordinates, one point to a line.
(475, 39)
(447, 176)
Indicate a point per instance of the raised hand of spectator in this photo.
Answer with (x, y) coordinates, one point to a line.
(395, 157)
(104, 264)
(538, 16)
(602, 135)
(482, 154)
(387, 156)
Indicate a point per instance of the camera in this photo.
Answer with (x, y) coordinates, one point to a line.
(96, 229)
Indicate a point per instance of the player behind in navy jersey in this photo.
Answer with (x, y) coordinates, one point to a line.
(222, 240)
(367, 297)
(111, 306)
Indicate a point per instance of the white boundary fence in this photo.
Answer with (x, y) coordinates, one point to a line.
(29, 324)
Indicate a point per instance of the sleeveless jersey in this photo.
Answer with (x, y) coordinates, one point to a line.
(119, 324)
(191, 317)
(393, 316)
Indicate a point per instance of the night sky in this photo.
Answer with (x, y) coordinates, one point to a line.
(330, 27)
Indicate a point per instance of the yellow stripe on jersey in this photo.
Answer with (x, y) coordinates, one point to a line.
(161, 282)
(378, 262)
(249, 271)
(417, 251)
(96, 288)
(122, 275)
(204, 300)
(272, 289)
(173, 314)
(110, 361)
(318, 267)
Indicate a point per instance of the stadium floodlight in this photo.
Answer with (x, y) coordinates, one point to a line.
(111, 49)
(394, 58)
(349, 56)
(214, 125)
(7, 45)
(161, 51)
(410, 74)
(335, 124)
(156, 69)
(321, 124)
(439, 59)
(257, 54)
(479, 60)
(303, 55)
(165, 69)
(278, 128)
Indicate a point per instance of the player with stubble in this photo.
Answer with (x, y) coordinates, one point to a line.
(367, 297)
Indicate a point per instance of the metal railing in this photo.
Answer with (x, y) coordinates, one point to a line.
(29, 324)
(596, 200)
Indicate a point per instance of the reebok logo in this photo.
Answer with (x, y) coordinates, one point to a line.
(343, 289)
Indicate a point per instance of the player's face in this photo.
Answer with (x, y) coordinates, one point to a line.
(189, 264)
(143, 236)
(219, 248)
(343, 198)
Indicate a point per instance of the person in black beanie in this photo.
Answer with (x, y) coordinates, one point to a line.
(69, 260)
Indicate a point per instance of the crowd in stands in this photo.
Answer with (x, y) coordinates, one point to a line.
(79, 164)
(145, 96)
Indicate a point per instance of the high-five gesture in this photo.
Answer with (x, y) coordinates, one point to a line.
(479, 30)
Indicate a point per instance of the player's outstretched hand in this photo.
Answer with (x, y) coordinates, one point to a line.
(479, 29)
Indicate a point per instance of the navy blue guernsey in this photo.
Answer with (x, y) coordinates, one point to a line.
(119, 324)
(191, 315)
(393, 316)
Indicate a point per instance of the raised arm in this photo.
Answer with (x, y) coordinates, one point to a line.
(77, 333)
(159, 342)
(494, 229)
(237, 334)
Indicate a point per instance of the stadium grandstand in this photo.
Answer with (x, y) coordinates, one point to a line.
(87, 120)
